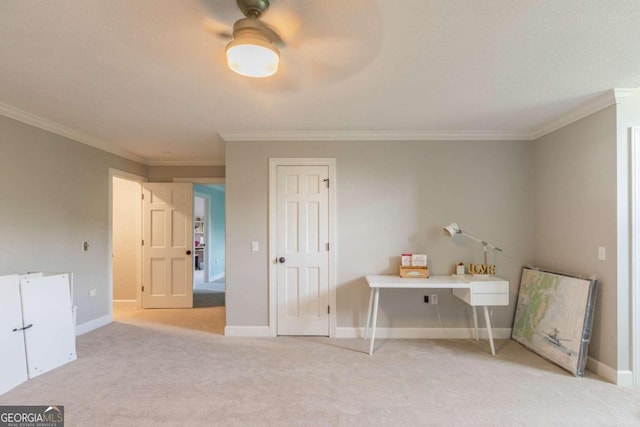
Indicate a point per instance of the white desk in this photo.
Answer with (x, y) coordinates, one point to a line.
(474, 290)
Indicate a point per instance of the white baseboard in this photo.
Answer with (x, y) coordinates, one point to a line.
(424, 333)
(621, 378)
(246, 331)
(216, 277)
(125, 303)
(93, 324)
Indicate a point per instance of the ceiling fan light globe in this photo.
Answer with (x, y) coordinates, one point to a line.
(253, 57)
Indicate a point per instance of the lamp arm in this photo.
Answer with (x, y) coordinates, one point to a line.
(482, 242)
(472, 238)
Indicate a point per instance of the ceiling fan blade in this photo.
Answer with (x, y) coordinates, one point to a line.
(283, 19)
(218, 28)
(333, 59)
(337, 51)
(339, 18)
(224, 11)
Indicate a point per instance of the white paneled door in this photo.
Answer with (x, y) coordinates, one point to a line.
(167, 224)
(302, 211)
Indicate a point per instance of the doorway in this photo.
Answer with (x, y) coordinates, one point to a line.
(129, 310)
(209, 245)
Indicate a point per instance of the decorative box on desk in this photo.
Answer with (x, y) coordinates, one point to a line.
(407, 271)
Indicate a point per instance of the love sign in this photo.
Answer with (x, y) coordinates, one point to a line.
(482, 269)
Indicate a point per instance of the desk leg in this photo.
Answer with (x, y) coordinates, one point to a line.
(475, 321)
(376, 300)
(366, 331)
(487, 321)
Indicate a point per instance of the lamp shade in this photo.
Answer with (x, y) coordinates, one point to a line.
(252, 57)
(452, 229)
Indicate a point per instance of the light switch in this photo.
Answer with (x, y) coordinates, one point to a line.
(254, 246)
(602, 253)
(92, 293)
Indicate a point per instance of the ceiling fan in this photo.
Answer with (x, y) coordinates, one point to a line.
(253, 51)
(297, 42)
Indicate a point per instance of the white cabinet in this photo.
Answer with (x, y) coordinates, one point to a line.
(36, 326)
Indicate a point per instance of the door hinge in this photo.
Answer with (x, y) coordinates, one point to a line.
(327, 181)
(142, 288)
(328, 309)
(142, 196)
(327, 245)
(143, 243)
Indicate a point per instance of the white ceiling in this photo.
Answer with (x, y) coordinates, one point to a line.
(146, 78)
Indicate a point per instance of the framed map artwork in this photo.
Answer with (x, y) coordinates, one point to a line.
(553, 317)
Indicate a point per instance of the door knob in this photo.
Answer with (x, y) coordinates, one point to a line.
(188, 252)
(281, 259)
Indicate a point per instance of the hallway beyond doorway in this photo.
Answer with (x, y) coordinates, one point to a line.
(207, 294)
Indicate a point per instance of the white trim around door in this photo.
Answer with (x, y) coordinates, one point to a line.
(635, 254)
(273, 297)
(200, 180)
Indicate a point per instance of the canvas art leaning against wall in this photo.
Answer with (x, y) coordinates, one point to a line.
(554, 315)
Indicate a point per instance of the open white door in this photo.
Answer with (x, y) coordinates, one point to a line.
(302, 250)
(167, 230)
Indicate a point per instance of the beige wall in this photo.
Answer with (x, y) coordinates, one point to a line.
(126, 238)
(392, 197)
(575, 203)
(54, 196)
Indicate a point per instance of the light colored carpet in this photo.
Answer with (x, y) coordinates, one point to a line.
(206, 319)
(208, 294)
(137, 373)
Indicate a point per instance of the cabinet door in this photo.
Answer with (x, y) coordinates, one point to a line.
(12, 356)
(46, 304)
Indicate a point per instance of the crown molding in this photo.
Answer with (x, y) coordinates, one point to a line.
(370, 135)
(58, 129)
(185, 163)
(605, 100)
(622, 94)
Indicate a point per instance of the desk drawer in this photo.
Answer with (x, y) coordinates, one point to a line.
(490, 287)
(481, 299)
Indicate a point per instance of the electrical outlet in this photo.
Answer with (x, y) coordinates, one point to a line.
(85, 246)
(426, 299)
(92, 293)
(254, 246)
(434, 299)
